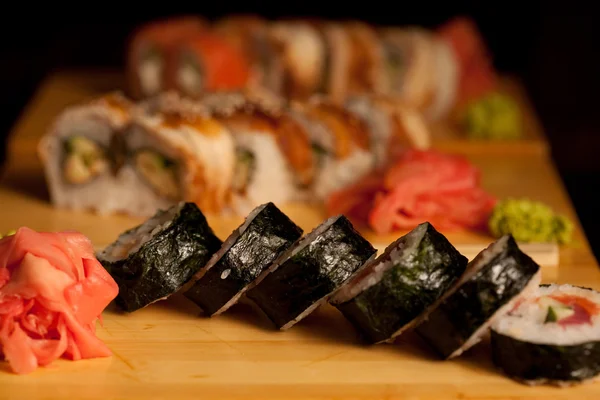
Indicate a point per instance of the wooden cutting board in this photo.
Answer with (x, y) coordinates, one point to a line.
(169, 350)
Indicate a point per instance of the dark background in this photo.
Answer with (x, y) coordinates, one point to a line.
(554, 47)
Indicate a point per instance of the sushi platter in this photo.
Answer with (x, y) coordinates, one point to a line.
(281, 331)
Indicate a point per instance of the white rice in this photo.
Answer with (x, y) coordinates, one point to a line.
(336, 173)
(130, 242)
(150, 73)
(378, 123)
(526, 322)
(272, 180)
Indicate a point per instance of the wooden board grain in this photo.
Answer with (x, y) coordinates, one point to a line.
(168, 350)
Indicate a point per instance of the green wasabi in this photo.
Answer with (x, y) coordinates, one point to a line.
(529, 221)
(495, 116)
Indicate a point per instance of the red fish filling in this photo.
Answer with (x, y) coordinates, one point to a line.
(571, 310)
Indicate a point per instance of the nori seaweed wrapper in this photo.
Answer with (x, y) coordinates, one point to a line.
(268, 234)
(424, 264)
(499, 280)
(311, 271)
(165, 262)
(536, 363)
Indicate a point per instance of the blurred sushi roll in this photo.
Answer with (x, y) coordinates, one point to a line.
(156, 258)
(336, 71)
(393, 126)
(250, 33)
(150, 53)
(495, 282)
(310, 272)
(80, 154)
(340, 143)
(366, 59)
(176, 152)
(397, 290)
(446, 81)
(246, 253)
(207, 62)
(274, 160)
(303, 52)
(550, 337)
(409, 67)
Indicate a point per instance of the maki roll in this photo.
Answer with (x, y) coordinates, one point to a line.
(447, 78)
(550, 337)
(307, 274)
(151, 52)
(274, 159)
(366, 59)
(251, 34)
(399, 288)
(495, 280)
(245, 254)
(176, 153)
(207, 62)
(153, 260)
(340, 143)
(393, 126)
(81, 157)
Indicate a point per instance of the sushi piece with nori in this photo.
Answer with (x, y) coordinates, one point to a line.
(552, 337)
(155, 259)
(265, 234)
(494, 282)
(396, 290)
(307, 274)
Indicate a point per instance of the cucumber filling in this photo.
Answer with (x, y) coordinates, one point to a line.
(160, 172)
(556, 311)
(84, 160)
(244, 169)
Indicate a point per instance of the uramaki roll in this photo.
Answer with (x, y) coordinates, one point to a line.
(303, 51)
(274, 156)
(340, 142)
(207, 62)
(176, 155)
(150, 52)
(251, 34)
(80, 157)
(366, 59)
(409, 67)
(393, 125)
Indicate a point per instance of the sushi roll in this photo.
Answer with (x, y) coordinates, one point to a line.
(393, 125)
(397, 290)
(550, 337)
(495, 281)
(366, 59)
(153, 260)
(150, 53)
(340, 143)
(207, 62)
(246, 253)
(336, 71)
(80, 154)
(303, 52)
(307, 274)
(409, 67)
(274, 158)
(447, 78)
(251, 34)
(176, 152)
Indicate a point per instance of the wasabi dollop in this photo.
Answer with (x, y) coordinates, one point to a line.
(495, 116)
(529, 221)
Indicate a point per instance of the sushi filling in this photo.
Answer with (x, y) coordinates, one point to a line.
(84, 159)
(189, 75)
(560, 315)
(150, 71)
(130, 242)
(244, 170)
(159, 172)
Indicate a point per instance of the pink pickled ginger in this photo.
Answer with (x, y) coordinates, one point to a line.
(52, 292)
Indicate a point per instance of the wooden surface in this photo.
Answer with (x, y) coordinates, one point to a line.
(169, 350)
